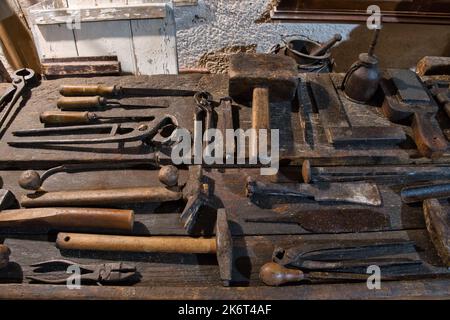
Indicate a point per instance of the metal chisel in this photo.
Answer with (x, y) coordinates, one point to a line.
(84, 117)
(77, 103)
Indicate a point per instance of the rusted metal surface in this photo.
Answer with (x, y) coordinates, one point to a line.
(107, 133)
(406, 98)
(419, 193)
(353, 192)
(100, 274)
(330, 221)
(437, 219)
(430, 65)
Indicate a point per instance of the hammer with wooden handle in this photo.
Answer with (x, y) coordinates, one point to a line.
(222, 245)
(262, 78)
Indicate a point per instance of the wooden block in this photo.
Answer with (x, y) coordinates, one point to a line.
(81, 66)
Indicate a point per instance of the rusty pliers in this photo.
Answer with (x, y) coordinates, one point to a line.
(89, 273)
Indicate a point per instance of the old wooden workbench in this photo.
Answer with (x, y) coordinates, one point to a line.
(169, 276)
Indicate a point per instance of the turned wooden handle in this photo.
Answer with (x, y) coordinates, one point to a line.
(76, 103)
(69, 91)
(66, 117)
(428, 136)
(102, 197)
(272, 274)
(56, 218)
(78, 241)
(261, 108)
(4, 256)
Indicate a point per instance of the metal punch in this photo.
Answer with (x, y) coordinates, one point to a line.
(99, 273)
(20, 78)
(110, 133)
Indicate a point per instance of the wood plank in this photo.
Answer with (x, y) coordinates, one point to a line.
(93, 14)
(97, 39)
(55, 41)
(419, 289)
(154, 45)
(81, 66)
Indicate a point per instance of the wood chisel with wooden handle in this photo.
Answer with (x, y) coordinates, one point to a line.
(79, 103)
(84, 117)
(60, 218)
(100, 90)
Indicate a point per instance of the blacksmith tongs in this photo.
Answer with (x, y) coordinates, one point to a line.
(108, 133)
(20, 79)
(93, 273)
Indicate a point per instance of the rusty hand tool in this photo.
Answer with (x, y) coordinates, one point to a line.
(437, 220)
(347, 174)
(346, 258)
(331, 220)
(82, 103)
(118, 91)
(60, 218)
(273, 274)
(7, 199)
(441, 92)
(32, 180)
(20, 79)
(75, 117)
(324, 47)
(354, 192)
(195, 193)
(105, 273)
(262, 78)
(406, 98)
(224, 123)
(428, 191)
(204, 101)
(4, 255)
(222, 245)
(114, 133)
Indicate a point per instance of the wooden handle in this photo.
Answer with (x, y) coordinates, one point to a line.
(420, 193)
(78, 241)
(428, 136)
(4, 256)
(66, 117)
(272, 274)
(99, 197)
(70, 91)
(76, 103)
(318, 51)
(57, 218)
(261, 108)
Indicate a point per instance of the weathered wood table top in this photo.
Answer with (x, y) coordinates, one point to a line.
(176, 276)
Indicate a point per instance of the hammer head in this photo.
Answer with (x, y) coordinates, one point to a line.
(224, 247)
(250, 70)
(7, 199)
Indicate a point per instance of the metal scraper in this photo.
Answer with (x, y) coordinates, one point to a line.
(352, 192)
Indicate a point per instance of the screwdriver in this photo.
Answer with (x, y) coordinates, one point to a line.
(77, 103)
(74, 117)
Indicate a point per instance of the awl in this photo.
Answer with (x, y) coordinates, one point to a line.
(84, 117)
(352, 192)
(100, 90)
(331, 220)
(79, 103)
